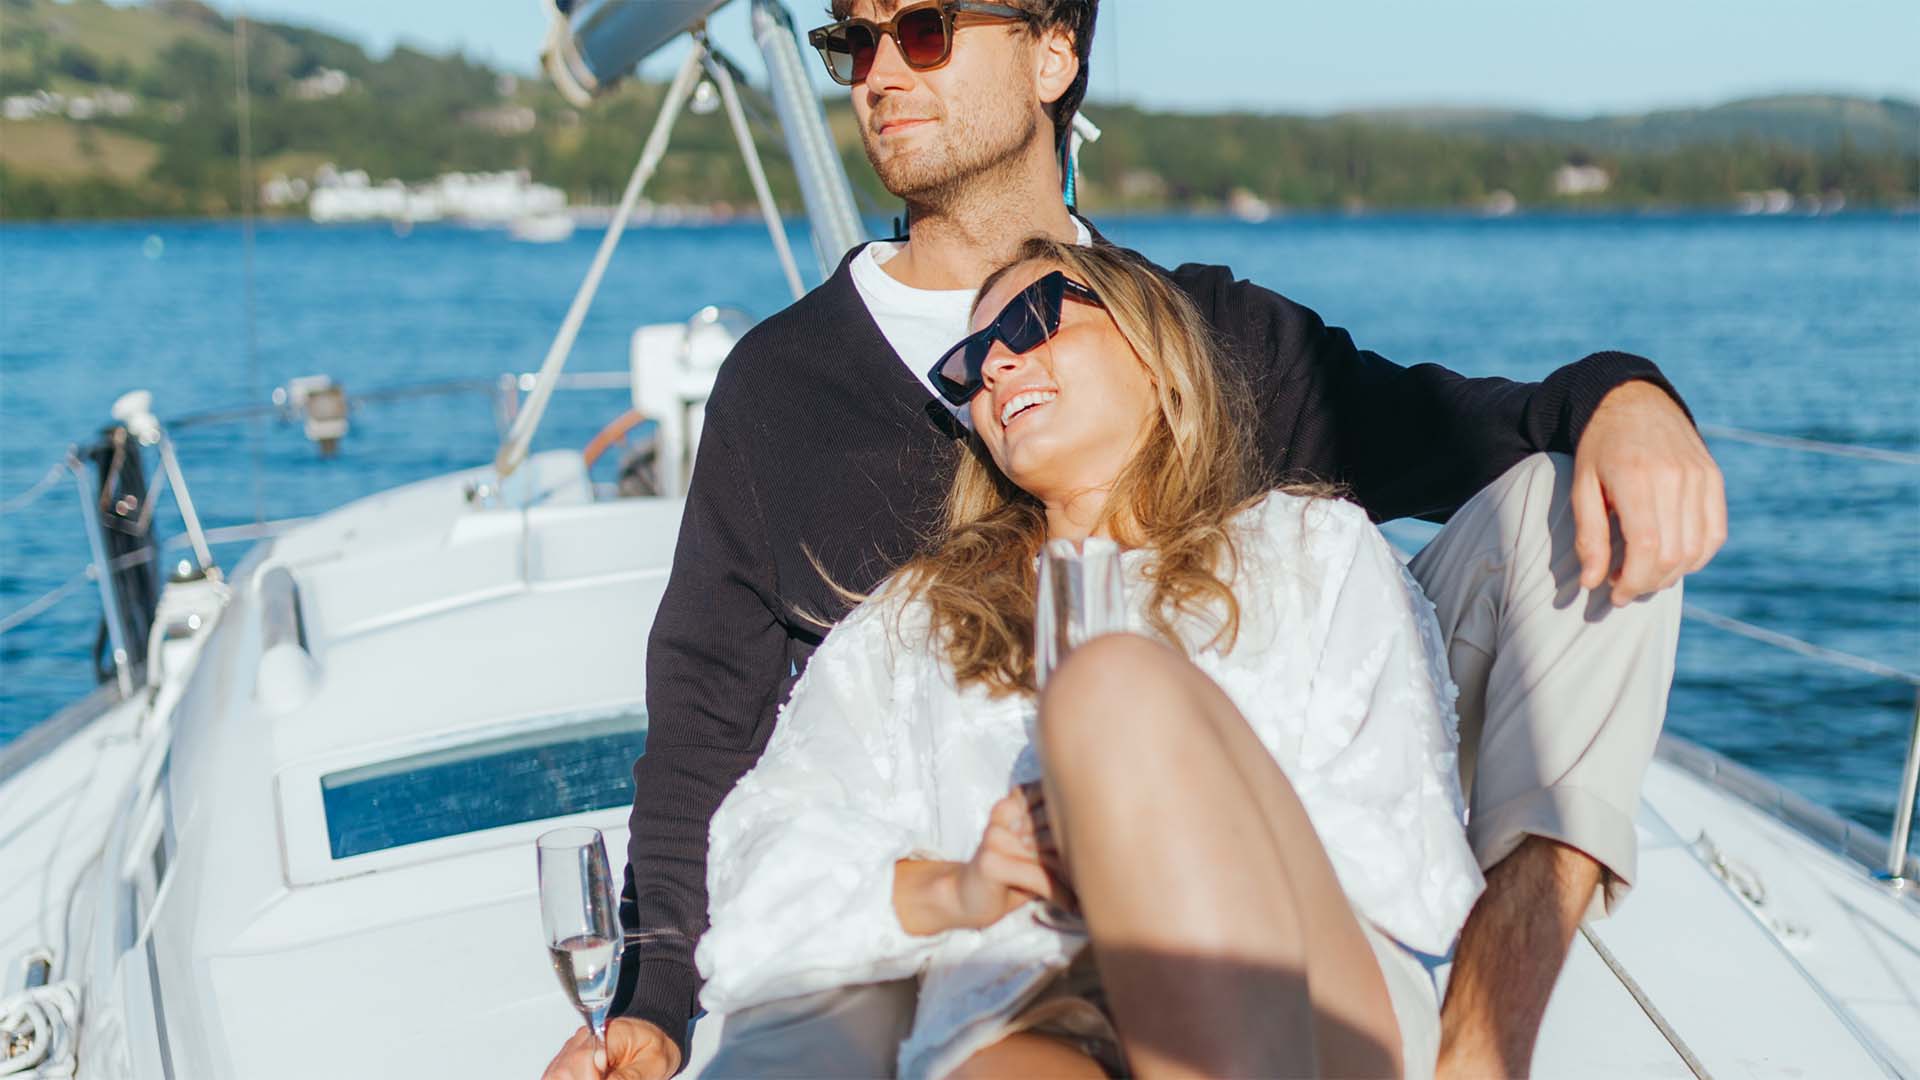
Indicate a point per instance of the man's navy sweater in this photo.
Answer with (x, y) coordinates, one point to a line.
(819, 443)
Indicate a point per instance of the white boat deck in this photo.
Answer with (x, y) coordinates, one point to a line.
(1711, 983)
(431, 624)
(54, 816)
(1858, 941)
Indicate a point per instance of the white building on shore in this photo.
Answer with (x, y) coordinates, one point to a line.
(498, 198)
(1575, 180)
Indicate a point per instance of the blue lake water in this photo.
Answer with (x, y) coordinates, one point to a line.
(1802, 327)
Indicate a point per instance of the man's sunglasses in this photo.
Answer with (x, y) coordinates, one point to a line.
(1027, 321)
(924, 33)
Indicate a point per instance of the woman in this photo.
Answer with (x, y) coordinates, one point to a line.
(1250, 797)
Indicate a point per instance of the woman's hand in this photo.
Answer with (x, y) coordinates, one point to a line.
(1010, 866)
(1016, 861)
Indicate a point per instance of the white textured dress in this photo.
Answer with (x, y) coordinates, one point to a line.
(1338, 668)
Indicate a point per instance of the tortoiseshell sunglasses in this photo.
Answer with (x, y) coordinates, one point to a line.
(923, 32)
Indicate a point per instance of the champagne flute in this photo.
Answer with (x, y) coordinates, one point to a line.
(1082, 595)
(582, 921)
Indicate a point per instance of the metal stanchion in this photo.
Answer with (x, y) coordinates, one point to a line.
(1903, 810)
(103, 569)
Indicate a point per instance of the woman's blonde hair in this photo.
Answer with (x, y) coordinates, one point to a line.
(1194, 469)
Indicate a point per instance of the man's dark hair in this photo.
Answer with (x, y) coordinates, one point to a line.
(1077, 16)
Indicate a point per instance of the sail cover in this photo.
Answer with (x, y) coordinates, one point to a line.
(592, 44)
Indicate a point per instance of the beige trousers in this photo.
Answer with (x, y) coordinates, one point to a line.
(1562, 695)
(1561, 700)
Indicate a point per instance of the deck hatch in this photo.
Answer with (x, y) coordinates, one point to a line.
(559, 769)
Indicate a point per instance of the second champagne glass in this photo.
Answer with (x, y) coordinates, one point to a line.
(582, 920)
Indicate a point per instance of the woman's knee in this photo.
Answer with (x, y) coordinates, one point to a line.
(1103, 672)
(1116, 691)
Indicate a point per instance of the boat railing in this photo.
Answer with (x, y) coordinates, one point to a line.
(1899, 868)
(144, 430)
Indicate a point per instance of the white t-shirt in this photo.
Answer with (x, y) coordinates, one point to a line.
(920, 324)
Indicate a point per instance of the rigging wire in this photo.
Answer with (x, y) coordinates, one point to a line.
(87, 573)
(15, 620)
(55, 474)
(1660, 1022)
(722, 74)
(1810, 446)
(513, 449)
(1832, 657)
(229, 534)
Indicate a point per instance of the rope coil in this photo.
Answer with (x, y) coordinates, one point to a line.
(37, 1032)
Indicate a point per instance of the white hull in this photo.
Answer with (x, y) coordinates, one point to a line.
(541, 228)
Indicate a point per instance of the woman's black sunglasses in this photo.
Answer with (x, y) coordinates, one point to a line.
(1028, 320)
(924, 33)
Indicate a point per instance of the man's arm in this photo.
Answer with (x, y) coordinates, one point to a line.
(716, 669)
(1420, 441)
(1407, 441)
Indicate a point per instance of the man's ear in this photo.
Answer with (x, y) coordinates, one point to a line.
(1057, 63)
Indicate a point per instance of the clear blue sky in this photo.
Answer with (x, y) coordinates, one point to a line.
(1565, 56)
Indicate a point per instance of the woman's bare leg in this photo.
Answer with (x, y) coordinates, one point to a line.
(1225, 943)
(1027, 1054)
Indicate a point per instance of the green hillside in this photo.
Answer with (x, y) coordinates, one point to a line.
(68, 46)
(142, 120)
(1436, 158)
(1817, 122)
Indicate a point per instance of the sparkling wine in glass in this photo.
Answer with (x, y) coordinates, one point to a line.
(582, 920)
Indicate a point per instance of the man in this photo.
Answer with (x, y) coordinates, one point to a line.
(825, 449)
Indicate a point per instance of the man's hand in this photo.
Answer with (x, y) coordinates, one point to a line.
(636, 1050)
(1641, 460)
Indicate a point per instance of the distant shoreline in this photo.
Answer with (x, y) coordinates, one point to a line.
(1278, 217)
(130, 112)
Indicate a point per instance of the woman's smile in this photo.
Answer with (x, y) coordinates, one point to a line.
(1024, 402)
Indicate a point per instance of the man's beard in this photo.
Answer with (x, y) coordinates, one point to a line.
(942, 175)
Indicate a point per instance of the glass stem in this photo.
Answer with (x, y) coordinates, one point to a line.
(597, 1023)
